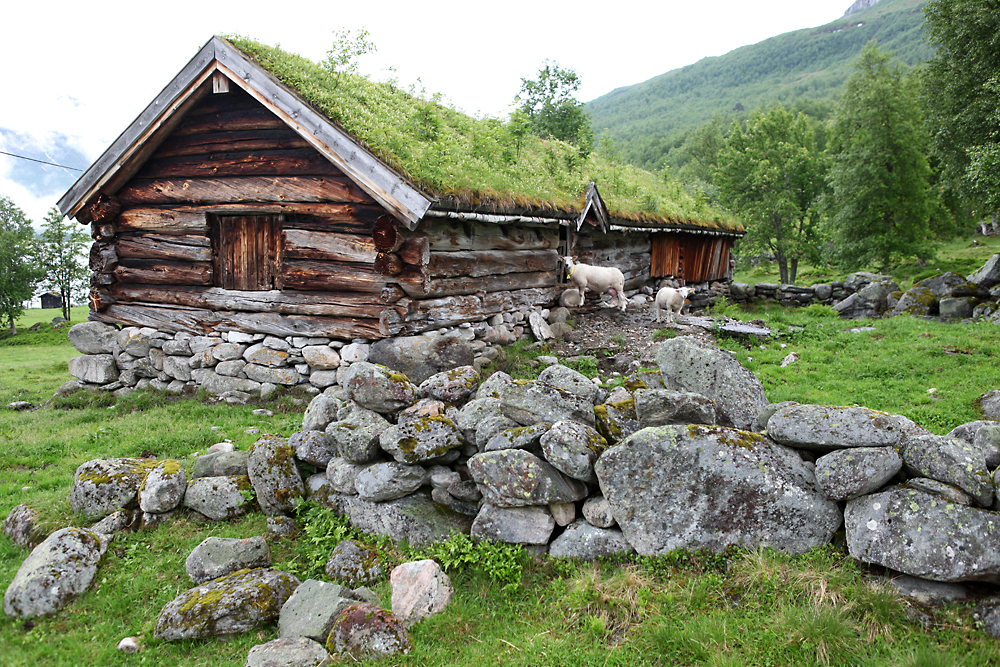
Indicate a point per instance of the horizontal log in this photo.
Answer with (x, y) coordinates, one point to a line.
(416, 250)
(331, 277)
(300, 162)
(388, 264)
(454, 236)
(157, 272)
(164, 247)
(477, 264)
(391, 294)
(327, 246)
(104, 209)
(286, 302)
(139, 192)
(103, 257)
(414, 287)
(178, 220)
(230, 120)
(230, 142)
(198, 321)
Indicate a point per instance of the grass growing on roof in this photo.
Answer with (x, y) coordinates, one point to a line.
(479, 161)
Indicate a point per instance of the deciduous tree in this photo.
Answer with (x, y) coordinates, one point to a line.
(20, 268)
(552, 108)
(771, 176)
(962, 95)
(879, 175)
(63, 258)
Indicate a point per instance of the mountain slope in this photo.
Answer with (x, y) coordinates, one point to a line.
(648, 118)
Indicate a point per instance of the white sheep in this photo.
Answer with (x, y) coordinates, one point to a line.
(597, 279)
(672, 300)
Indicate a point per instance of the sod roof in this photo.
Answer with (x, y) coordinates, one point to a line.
(481, 164)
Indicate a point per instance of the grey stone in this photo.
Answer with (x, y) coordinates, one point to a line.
(988, 275)
(520, 437)
(163, 488)
(118, 522)
(288, 652)
(662, 407)
(356, 436)
(452, 386)
(218, 556)
(217, 384)
(233, 368)
(849, 473)
(93, 337)
(94, 368)
(528, 403)
(377, 388)
(572, 448)
(588, 542)
(415, 518)
(365, 632)
(354, 564)
(597, 512)
(101, 486)
(219, 498)
(723, 486)
(228, 605)
(916, 533)
(421, 440)
(274, 375)
(312, 609)
(927, 592)
(58, 570)
(21, 526)
(493, 385)
(824, 428)
(516, 478)
(686, 364)
(950, 460)
(220, 464)
(514, 525)
(322, 410)
(312, 447)
(389, 481)
(951, 494)
(572, 381)
(259, 355)
(274, 475)
(420, 357)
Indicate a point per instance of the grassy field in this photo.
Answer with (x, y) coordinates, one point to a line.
(738, 608)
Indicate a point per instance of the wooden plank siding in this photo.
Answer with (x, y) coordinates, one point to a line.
(234, 218)
(694, 258)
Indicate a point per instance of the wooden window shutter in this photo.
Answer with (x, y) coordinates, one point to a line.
(247, 251)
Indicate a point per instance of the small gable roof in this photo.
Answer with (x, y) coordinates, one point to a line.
(218, 58)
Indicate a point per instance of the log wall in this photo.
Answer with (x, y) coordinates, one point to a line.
(156, 263)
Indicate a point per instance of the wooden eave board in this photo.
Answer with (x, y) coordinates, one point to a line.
(399, 197)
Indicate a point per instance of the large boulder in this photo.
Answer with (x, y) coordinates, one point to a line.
(918, 301)
(952, 461)
(723, 487)
(55, 573)
(514, 525)
(572, 449)
(516, 478)
(228, 605)
(849, 473)
(163, 488)
(824, 428)
(988, 275)
(102, 486)
(527, 402)
(312, 609)
(922, 535)
(420, 589)
(689, 365)
(870, 301)
(420, 357)
(94, 368)
(356, 435)
(218, 556)
(588, 542)
(378, 388)
(93, 337)
(274, 475)
(421, 440)
(220, 498)
(415, 518)
(365, 631)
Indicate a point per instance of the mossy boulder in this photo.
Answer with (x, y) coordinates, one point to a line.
(377, 388)
(452, 386)
(573, 448)
(274, 475)
(102, 486)
(353, 564)
(421, 440)
(228, 605)
(364, 631)
(163, 488)
(516, 478)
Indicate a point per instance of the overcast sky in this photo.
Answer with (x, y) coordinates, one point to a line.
(76, 74)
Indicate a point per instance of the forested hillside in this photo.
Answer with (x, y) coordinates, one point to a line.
(806, 67)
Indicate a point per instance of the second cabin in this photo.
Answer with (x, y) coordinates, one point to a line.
(261, 193)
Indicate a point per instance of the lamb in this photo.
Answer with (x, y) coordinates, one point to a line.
(596, 278)
(672, 300)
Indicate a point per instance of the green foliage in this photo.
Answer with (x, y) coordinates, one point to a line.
(343, 55)
(771, 176)
(19, 262)
(501, 562)
(962, 94)
(63, 257)
(477, 161)
(551, 107)
(879, 175)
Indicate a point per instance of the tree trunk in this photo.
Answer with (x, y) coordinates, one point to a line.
(793, 270)
(783, 269)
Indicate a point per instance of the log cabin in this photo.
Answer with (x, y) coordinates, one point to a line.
(254, 195)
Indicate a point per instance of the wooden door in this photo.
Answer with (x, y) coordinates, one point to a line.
(247, 251)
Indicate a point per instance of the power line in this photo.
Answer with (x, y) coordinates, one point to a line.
(41, 161)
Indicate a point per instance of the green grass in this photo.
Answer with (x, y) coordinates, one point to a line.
(738, 608)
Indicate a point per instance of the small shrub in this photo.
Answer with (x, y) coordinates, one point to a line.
(500, 561)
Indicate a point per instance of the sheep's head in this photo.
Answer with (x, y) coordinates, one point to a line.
(568, 261)
(685, 291)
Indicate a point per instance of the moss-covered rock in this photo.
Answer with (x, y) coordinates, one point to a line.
(102, 486)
